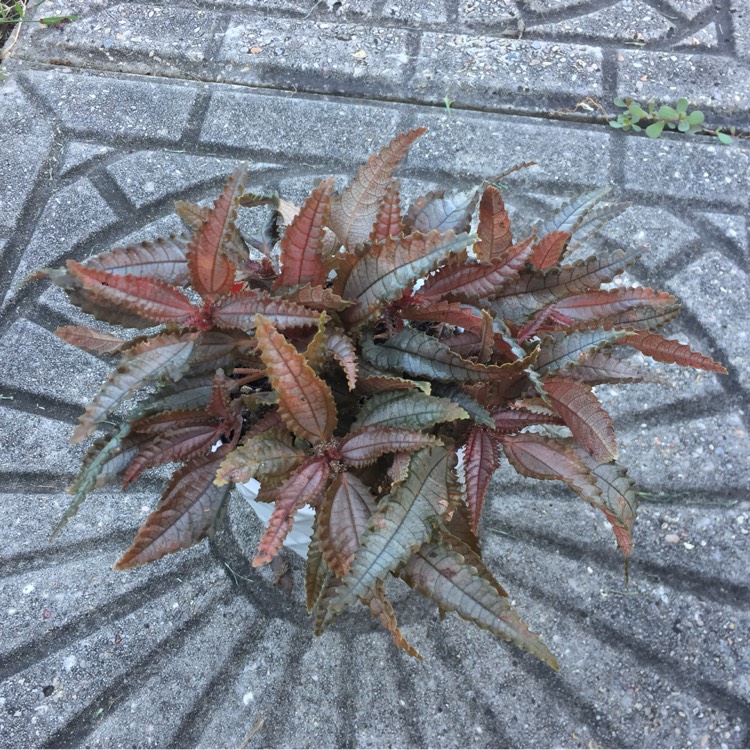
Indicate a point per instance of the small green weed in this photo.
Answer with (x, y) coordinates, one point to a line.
(653, 120)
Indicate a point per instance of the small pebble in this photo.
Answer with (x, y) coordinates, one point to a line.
(671, 539)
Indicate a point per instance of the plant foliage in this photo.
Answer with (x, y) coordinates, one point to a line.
(375, 364)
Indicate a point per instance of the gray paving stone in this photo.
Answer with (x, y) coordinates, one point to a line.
(415, 12)
(705, 38)
(314, 55)
(136, 38)
(484, 146)
(666, 236)
(149, 176)
(78, 153)
(491, 73)
(552, 6)
(483, 13)
(624, 22)
(22, 128)
(740, 14)
(714, 278)
(732, 226)
(27, 451)
(691, 455)
(70, 217)
(292, 125)
(112, 108)
(111, 651)
(707, 81)
(693, 170)
(32, 360)
(689, 8)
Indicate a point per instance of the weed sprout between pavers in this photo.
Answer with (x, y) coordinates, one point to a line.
(345, 363)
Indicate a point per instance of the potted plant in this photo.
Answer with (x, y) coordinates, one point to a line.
(372, 364)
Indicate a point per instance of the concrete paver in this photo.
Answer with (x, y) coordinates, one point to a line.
(140, 103)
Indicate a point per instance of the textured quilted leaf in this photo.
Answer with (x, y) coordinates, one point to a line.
(418, 354)
(388, 221)
(606, 367)
(436, 211)
(370, 379)
(193, 214)
(89, 339)
(318, 298)
(411, 409)
(451, 313)
(162, 356)
(187, 513)
(570, 217)
(305, 401)
(447, 571)
(402, 523)
(345, 353)
(115, 450)
(87, 301)
(316, 571)
(616, 305)
(475, 280)
(268, 457)
(353, 212)
(562, 350)
(672, 352)
(164, 259)
(508, 421)
(480, 462)
(370, 443)
(581, 411)
(549, 250)
(148, 298)
(301, 245)
(211, 271)
(303, 488)
(545, 458)
(392, 268)
(239, 311)
(473, 409)
(618, 501)
(382, 610)
(532, 291)
(494, 227)
(344, 515)
(178, 444)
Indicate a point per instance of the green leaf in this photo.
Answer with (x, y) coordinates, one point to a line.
(655, 129)
(620, 102)
(93, 467)
(565, 349)
(696, 118)
(683, 126)
(402, 523)
(418, 354)
(268, 457)
(667, 113)
(365, 446)
(724, 138)
(682, 105)
(411, 409)
(446, 570)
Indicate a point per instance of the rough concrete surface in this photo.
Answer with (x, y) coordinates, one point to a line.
(107, 120)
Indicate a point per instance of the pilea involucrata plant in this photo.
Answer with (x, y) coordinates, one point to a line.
(373, 364)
